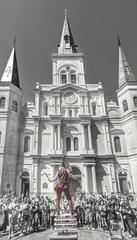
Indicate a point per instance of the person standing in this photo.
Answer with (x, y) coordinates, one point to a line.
(62, 185)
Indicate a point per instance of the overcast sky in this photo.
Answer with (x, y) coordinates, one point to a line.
(37, 25)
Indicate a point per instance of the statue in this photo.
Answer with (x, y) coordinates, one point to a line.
(62, 185)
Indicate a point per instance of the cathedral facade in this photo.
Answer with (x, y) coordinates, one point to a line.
(69, 122)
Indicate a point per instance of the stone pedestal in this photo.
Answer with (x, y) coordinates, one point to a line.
(65, 228)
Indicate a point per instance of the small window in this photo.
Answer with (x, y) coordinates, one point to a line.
(2, 102)
(117, 144)
(135, 101)
(125, 105)
(14, 106)
(67, 38)
(45, 185)
(70, 113)
(68, 144)
(27, 144)
(0, 137)
(76, 148)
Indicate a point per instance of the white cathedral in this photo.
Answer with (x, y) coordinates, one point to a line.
(69, 122)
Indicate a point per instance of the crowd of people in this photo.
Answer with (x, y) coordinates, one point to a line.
(24, 215)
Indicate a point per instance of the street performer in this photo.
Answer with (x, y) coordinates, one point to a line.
(62, 185)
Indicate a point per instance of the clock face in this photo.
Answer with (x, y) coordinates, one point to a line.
(69, 97)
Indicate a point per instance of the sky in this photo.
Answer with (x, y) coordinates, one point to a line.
(37, 25)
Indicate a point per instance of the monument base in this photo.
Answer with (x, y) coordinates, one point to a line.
(65, 228)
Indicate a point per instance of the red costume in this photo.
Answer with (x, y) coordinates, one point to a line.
(62, 185)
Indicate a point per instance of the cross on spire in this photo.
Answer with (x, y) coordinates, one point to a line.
(14, 41)
(66, 12)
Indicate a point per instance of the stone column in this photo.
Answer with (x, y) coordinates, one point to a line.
(68, 77)
(94, 180)
(35, 178)
(112, 179)
(53, 138)
(83, 136)
(85, 185)
(52, 176)
(90, 138)
(59, 137)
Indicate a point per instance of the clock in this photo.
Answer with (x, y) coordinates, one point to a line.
(69, 97)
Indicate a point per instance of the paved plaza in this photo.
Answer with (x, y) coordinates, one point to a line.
(83, 234)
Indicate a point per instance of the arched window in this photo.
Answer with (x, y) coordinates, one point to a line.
(125, 105)
(73, 77)
(0, 137)
(117, 144)
(27, 144)
(68, 144)
(14, 106)
(93, 109)
(67, 38)
(2, 102)
(76, 147)
(63, 77)
(45, 109)
(135, 101)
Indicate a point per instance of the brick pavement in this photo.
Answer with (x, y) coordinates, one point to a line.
(83, 234)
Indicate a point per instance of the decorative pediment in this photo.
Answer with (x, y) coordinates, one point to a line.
(116, 131)
(28, 131)
(69, 87)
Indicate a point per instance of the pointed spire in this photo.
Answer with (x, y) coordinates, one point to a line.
(11, 71)
(125, 72)
(67, 44)
(118, 39)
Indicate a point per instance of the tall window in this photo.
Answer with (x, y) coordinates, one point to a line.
(45, 109)
(125, 105)
(0, 137)
(73, 77)
(63, 77)
(14, 106)
(68, 144)
(117, 144)
(76, 147)
(2, 102)
(135, 101)
(27, 144)
(93, 109)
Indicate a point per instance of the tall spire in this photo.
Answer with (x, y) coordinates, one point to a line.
(67, 44)
(125, 72)
(11, 71)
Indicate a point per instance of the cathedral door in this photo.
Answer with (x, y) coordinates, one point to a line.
(25, 183)
(123, 183)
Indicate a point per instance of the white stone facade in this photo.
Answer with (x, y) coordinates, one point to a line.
(71, 122)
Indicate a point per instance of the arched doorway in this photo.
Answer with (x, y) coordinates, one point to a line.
(25, 183)
(75, 183)
(123, 183)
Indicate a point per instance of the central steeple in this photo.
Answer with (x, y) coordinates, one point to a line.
(67, 44)
(67, 63)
